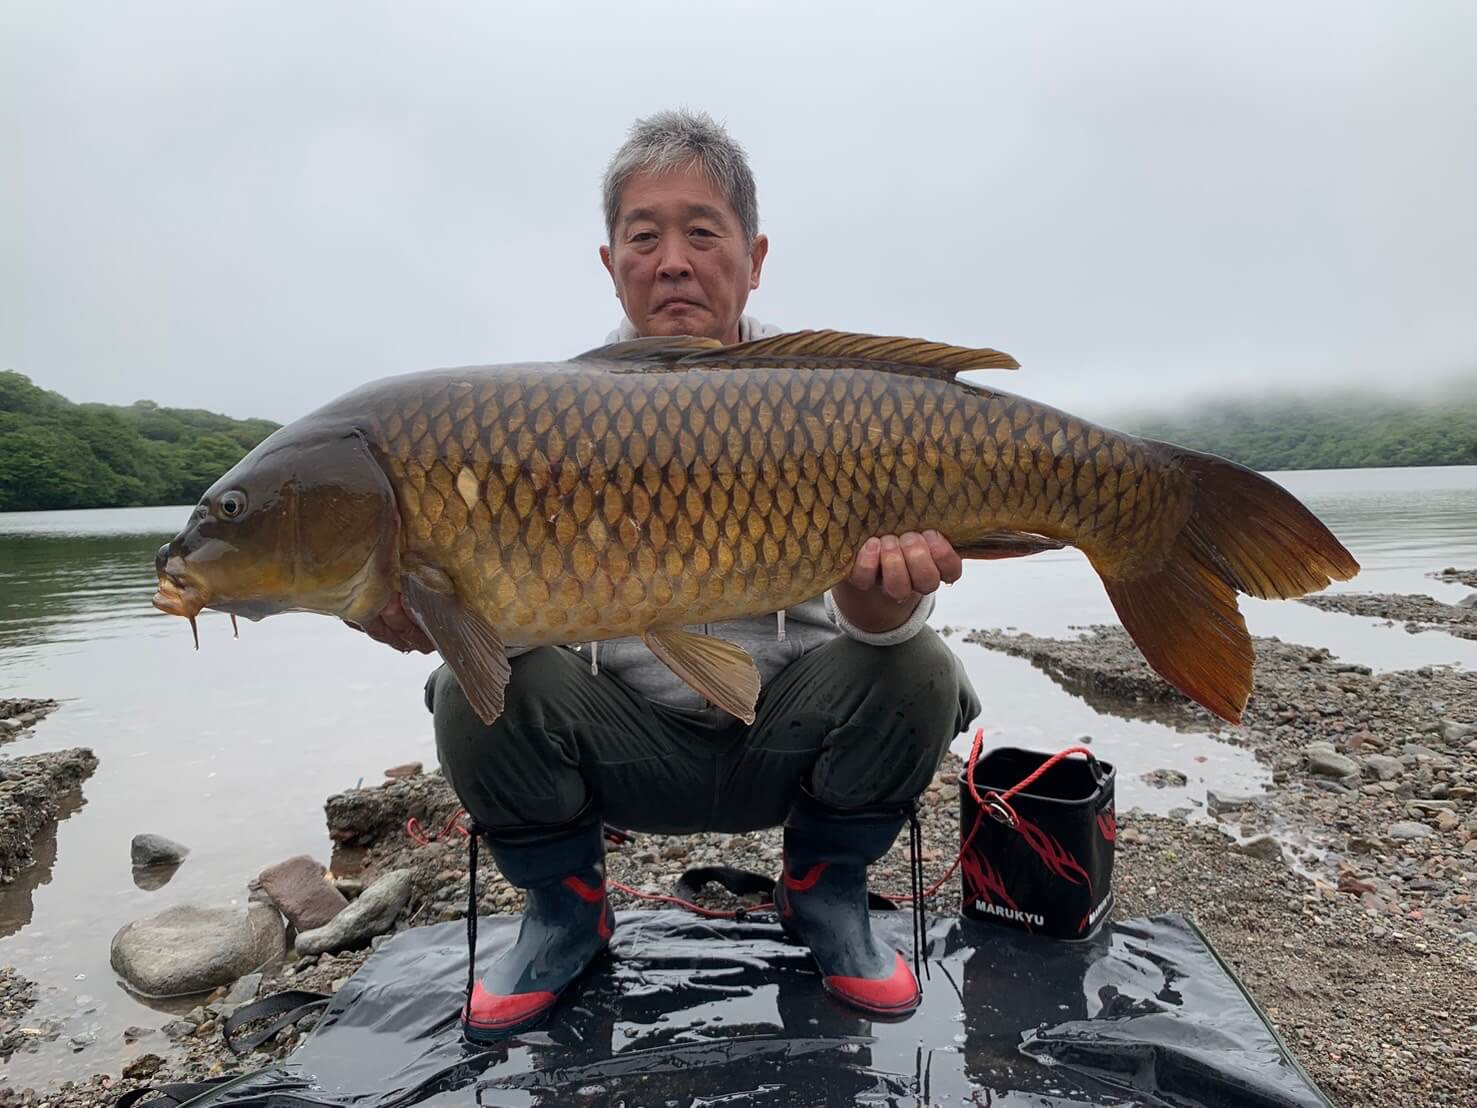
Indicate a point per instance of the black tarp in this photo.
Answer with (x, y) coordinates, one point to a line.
(687, 1012)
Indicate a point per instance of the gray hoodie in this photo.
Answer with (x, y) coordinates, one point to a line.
(773, 641)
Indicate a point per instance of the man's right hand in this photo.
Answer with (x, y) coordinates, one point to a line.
(394, 626)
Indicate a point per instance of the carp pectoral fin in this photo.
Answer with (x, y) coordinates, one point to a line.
(1007, 544)
(721, 671)
(466, 642)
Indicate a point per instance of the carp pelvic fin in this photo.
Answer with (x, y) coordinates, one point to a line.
(467, 643)
(721, 671)
(1245, 534)
(1007, 544)
(843, 349)
(662, 349)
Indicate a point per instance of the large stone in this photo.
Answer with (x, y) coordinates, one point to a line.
(156, 850)
(1454, 732)
(372, 914)
(192, 949)
(1384, 767)
(301, 889)
(1326, 762)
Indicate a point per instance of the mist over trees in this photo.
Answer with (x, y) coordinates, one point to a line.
(1300, 432)
(57, 454)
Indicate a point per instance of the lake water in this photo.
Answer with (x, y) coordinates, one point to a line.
(232, 750)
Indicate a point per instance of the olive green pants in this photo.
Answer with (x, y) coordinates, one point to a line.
(858, 725)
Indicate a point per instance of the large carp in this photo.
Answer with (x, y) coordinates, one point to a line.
(650, 485)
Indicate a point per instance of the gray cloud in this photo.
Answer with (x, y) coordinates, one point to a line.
(255, 207)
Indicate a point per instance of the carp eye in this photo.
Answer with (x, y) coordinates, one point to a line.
(233, 503)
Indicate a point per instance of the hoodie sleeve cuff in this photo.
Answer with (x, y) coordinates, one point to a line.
(899, 634)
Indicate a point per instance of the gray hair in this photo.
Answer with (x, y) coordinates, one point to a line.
(674, 140)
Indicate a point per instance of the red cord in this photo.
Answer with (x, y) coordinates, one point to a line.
(420, 838)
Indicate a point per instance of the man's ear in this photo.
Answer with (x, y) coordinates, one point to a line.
(609, 268)
(757, 254)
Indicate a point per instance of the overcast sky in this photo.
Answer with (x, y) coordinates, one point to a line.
(253, 207)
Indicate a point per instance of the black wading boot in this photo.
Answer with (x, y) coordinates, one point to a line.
(822, 901)
(567, 922)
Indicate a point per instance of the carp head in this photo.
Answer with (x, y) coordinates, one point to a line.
(305, 522)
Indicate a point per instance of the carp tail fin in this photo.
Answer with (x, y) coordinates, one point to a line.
(1245, 534)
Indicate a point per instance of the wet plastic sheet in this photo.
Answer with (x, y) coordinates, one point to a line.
(692, 1012)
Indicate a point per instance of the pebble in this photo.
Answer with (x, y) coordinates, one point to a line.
(1166, 779)
(1408, 830)
(1327, 762)
(1262, 846)
(144, 1066)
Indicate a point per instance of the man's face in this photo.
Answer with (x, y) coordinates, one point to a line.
(678, 258)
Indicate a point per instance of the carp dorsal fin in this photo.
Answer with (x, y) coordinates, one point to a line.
(657, 348)
(842, 349)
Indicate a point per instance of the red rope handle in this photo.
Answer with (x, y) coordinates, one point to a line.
(1001, 801)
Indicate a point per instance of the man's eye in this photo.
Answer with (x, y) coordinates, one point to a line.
(643, 236)
(701, 231)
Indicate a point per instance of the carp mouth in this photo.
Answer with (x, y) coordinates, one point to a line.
(178, 596)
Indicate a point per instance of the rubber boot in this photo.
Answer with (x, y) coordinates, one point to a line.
(822, 902)
(567, 923)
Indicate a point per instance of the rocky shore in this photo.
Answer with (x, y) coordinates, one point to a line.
(1455, 576)
(1417, 613)
(31, 791)
(1344, 897)
(19, 716)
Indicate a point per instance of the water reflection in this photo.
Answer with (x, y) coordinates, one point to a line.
(18, 899)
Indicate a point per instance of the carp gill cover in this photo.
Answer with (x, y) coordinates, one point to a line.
(650, 485)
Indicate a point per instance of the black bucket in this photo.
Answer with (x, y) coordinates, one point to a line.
(1043, 861)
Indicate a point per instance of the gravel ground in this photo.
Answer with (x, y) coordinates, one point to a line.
(1344, 898)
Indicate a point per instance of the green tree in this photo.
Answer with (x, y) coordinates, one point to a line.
(56, 454)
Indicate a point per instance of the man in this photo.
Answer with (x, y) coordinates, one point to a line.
(859, 696)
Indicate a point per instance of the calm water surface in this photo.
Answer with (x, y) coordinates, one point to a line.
(232, 750)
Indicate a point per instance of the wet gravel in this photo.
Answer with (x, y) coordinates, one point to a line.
(1455, 576)
(1417, 613)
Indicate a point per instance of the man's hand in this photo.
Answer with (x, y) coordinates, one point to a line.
(395, 627)
(890, 574)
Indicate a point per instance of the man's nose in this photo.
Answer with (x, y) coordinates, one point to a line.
(672, 262)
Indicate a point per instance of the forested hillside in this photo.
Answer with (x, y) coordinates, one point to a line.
(56, 454)
(1326, 433)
